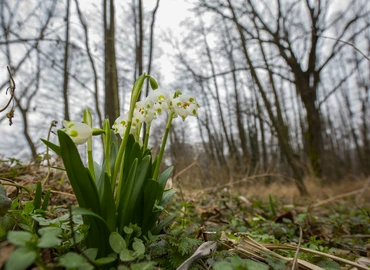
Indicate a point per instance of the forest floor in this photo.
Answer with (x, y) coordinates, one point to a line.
(244, 226)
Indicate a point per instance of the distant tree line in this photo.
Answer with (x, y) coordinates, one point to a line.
(284, 84)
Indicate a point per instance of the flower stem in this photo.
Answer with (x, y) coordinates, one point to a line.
(163, 145)
(146, 141)
(119, 159)
(90, 160)
(135, 93)
(107, 145)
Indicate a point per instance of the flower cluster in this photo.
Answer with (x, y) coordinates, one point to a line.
(155, 104)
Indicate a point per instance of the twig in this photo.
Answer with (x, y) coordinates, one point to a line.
(10, 114)
(307, 250)
(295, 259)
(63, 193)
(194, 163)
(53, 124)
(364, 188)
(337, 197)
(13, 184)
(347, 43)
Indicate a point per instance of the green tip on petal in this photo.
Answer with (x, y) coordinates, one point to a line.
(177, 94)
(73, 133)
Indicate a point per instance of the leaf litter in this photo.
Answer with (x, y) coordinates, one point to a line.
(239, 229)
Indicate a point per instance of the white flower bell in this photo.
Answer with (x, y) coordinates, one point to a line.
(79, 132)
(184, 105)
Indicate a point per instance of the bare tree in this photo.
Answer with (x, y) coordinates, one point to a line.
(66, 56)
(92, 63)
(111, 105)
(29, 88)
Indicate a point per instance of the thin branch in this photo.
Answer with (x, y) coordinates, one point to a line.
(349, 44)
(10, 114)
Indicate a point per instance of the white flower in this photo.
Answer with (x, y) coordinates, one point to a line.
(120, 125)
(79, 132)
(150, 115)
(158, 95)
(184, 105)
(157, 102)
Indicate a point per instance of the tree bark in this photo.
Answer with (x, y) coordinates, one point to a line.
(66, 72)
(111, 105)
(92, 63)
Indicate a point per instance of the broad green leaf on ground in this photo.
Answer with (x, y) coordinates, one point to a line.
(117, 242)
(20, 259)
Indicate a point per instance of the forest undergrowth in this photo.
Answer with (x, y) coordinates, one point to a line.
(243, 226)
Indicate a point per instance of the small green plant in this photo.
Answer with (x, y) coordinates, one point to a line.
(21, 214)
(236, 262)
(126, 188)
(175, 247)
(29, 245)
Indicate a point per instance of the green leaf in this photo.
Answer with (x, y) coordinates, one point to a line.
(28, 208)
(86, 212)
(143, 266)
(141, 178)
(150, 194)
(107, 202)
(82, 183)
(139, 247)
(52, 146)
(98, 236)
(52, 231)
(38, 194)
(163, 224)
(91, 253)
(128, 230)
(123, 218)
(19, 238)
(223, 266)
(163, 178)
(126, 255)
(49, 237)
(167, 195)
(238, 262)
(20, 259)
(329, 265)
(105, 260)
(46, 200)
(72, 260)
(48, 241)
(125, 168)
(117, 242)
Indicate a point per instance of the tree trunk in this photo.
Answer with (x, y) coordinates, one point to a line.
(92, 63)
(111, 105)
(313, 133)
(66, 72)
(280, 127)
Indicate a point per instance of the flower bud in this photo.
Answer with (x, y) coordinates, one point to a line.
(153, 83)
(79, 132)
